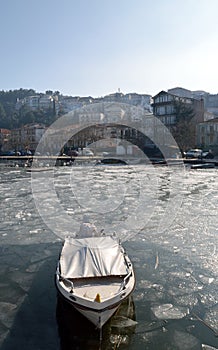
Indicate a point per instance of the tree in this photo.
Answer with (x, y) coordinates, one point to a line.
(3, 118)
(184, 129)
(14, 121)
(49, 92)
(28, 118)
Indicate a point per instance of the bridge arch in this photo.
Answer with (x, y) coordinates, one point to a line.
(130, 122)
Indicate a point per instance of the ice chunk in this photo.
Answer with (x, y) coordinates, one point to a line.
(207, 347)
(209, 299)
(188, 300)
(37, 230)
(7, 313)
(24, 280)
(3, 333)
(151, 326)
(211, 318)
(144, 284)
(168, 311)
(206, 279)
(34, 267)
(185, 341)
(10, 293)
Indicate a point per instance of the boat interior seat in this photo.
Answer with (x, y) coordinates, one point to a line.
(106, 287)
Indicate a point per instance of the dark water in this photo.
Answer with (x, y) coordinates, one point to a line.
(174, 305)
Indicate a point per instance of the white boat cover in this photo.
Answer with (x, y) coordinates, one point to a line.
(92, 257)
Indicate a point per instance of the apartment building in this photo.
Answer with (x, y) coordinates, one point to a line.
(27, 136)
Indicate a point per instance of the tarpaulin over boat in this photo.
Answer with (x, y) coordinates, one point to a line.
(92, 257)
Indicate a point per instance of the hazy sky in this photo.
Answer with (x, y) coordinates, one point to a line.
(94, 47)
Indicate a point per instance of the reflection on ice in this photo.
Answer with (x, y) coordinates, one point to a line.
(166, 298)
(120, 322)
(76, 332)
(119, 340)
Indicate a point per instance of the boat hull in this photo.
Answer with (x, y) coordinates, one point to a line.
(97, 313)
(97, 318)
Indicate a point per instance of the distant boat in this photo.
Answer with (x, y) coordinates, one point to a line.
(111, 161)
(94, 275)
(203, 166)
(38, 170)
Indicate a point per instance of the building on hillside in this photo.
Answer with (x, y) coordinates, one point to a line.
(134, 99)
(37, 102)
(211, 103)
(114, 97)
(27, 136)
(207, 135)
(46, 102)
(69, 103)
(179, 91)
(32, 102)
(86, 100)
(210, 100)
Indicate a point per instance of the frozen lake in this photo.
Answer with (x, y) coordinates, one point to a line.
(167, 219)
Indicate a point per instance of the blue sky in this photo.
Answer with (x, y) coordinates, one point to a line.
(94, 47)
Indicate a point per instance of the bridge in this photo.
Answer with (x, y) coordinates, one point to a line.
(97, 125)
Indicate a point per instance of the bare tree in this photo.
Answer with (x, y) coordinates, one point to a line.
(184, 129)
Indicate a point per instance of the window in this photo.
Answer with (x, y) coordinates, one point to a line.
(169, 109)
(163, 98)
(211, 139)
(160, 110)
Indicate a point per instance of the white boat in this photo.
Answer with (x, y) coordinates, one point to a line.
(94, 275)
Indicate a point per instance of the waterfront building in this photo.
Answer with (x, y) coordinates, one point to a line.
(4, 139)
(27, 136)
(207, 135)
(165, 108)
